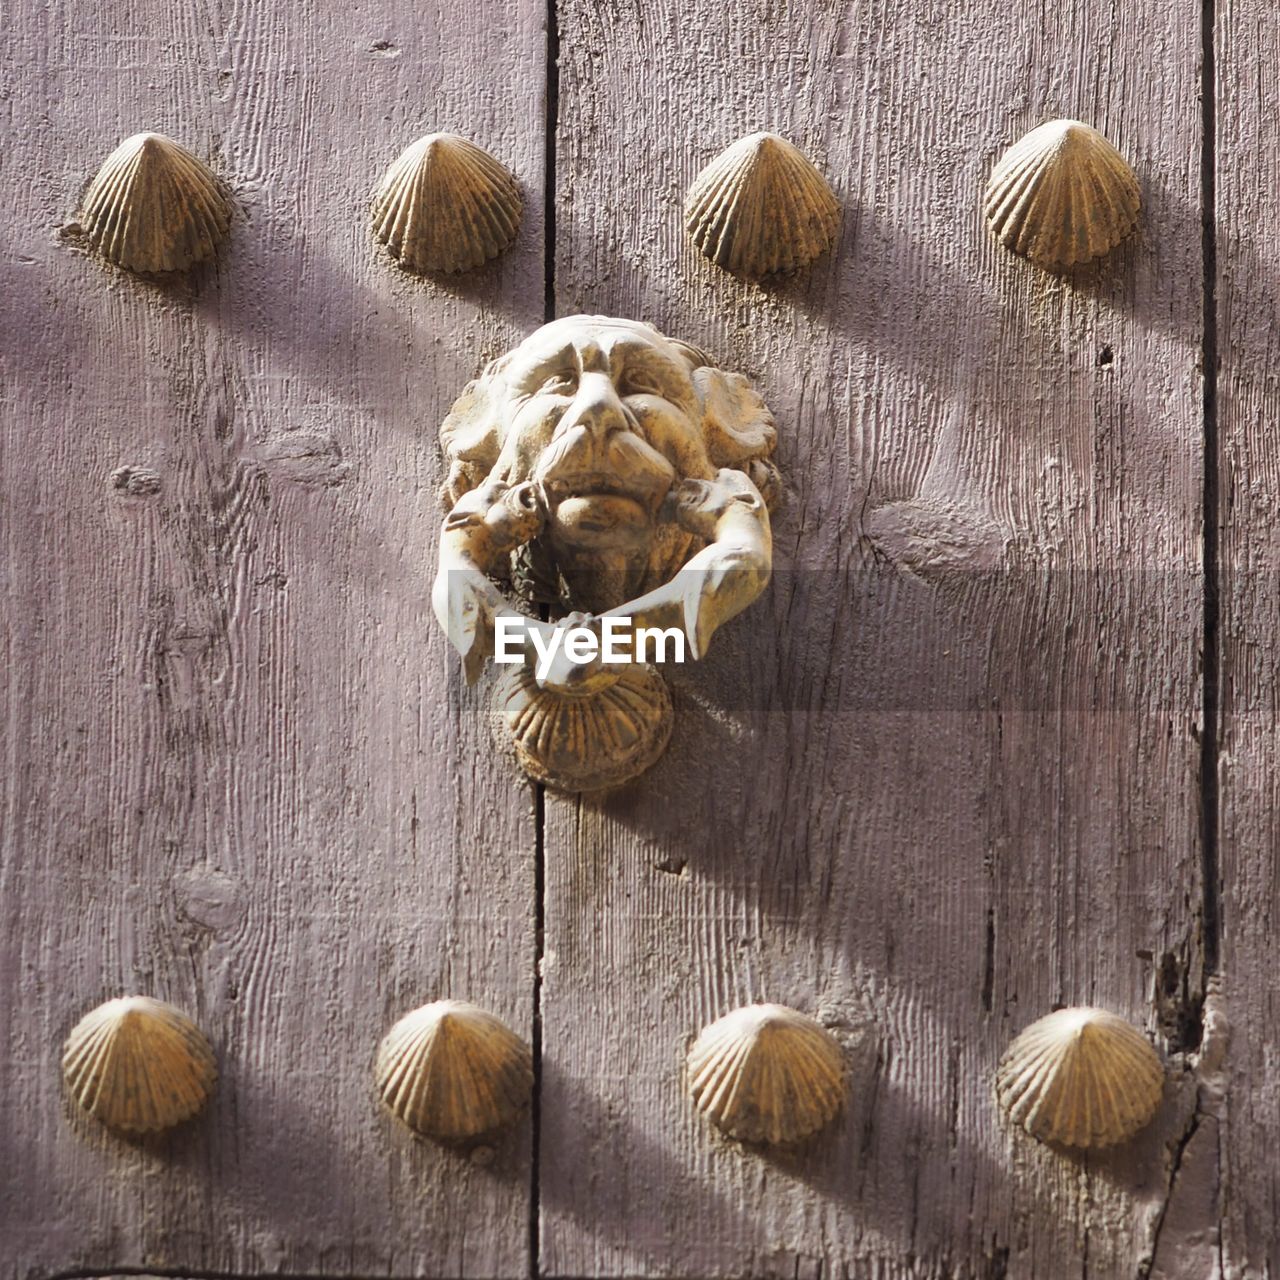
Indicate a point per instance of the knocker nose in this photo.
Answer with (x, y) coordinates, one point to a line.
(597, 407)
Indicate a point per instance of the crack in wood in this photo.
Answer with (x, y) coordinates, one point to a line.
(1179, 1150)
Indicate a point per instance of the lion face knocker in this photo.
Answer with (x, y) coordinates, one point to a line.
(602, 471)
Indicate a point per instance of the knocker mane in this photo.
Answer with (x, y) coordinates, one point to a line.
(605, 419)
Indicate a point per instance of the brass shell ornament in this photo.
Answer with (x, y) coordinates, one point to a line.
(767, 1074)
(1062, 196)
(760, 207)
(153, 208)
(1080, 1078)
(446, 206)
(453, 1071)
(138, 1065)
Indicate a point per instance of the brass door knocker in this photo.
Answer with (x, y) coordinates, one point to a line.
(619, 479)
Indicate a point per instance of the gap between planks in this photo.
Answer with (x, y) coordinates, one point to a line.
(551, 120)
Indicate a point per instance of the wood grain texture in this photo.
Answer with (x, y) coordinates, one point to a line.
(946, 775)
(240, 771)
(1242, 1115)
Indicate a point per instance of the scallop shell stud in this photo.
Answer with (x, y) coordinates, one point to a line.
(767, 1074)
(453, 1071)
(446, 206)
(138, 1065)
(1080, 1078)
(1063, 195)
(761, 207)
(154, 208)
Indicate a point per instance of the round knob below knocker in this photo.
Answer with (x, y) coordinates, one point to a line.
(582, 743)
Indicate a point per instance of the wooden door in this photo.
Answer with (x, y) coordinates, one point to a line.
(1000, 736)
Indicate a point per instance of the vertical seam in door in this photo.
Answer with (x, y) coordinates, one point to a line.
(1211, 907)
(550, 122)
(535, 1144)
(549, 174)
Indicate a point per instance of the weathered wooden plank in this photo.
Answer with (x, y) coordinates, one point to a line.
(946, 777)
(240, 772)
(1247, 219)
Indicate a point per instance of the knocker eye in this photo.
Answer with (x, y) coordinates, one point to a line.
(559, 384)
(640, 387)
